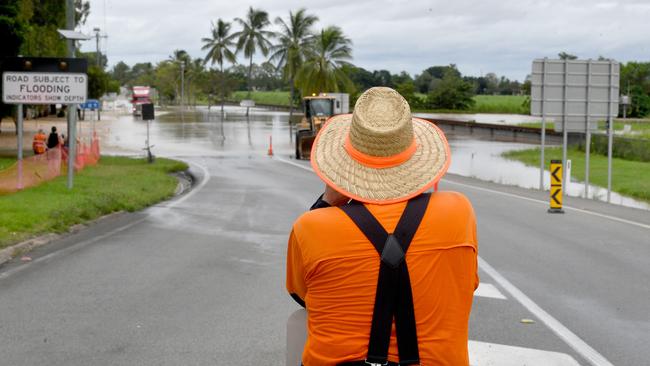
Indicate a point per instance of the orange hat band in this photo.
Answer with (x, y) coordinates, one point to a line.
(379, 162)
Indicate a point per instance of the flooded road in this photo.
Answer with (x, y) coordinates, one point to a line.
(491, 118)
(202, 133)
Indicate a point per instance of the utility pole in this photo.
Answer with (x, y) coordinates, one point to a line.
(97, 55)
(72, 108)
(182, 85)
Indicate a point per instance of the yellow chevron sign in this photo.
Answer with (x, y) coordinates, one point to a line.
(556, 187)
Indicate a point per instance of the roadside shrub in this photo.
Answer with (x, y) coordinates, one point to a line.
(623, 147)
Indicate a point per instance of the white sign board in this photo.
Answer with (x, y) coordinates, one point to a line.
(577, 92)
(248, 103)
(44, 88)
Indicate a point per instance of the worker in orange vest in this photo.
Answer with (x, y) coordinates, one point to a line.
(38, 145)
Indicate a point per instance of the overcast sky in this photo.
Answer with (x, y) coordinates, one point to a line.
(479, 36)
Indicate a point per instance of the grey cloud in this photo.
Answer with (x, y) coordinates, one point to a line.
(502, 36)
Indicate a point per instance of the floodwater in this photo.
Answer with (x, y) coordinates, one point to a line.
(199, 133)
(492, 118)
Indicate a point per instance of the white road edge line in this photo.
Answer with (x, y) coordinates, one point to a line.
(560, 330)
(613, 218)
(57, 253)
(206, 178)
(572, 340)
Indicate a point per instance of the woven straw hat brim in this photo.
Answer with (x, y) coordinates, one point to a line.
(422, 171)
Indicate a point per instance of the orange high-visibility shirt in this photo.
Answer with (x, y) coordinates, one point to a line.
(38, 144)
(334, 268)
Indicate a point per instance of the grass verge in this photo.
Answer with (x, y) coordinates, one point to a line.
(115, 184)
(483, 103)
(509, 104)
(630, 178)
(280, 98)
(6, 162)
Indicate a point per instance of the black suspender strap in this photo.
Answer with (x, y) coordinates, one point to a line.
(393, 298)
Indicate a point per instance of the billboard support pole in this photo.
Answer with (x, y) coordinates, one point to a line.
(19, 155)
(610, 133)
(72, 108)
(543, 135)
(565, 112)
(588, 130)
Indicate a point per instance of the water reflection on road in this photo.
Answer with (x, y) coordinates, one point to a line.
(202, 133)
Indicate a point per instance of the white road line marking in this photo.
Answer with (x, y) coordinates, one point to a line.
(578, 345)
(492, 354)
(613, 218)
(206, 178)
(488, 290)
(301, 166)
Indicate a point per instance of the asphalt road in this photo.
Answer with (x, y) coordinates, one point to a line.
(199, 280)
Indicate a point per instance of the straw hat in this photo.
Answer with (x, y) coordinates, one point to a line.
(380, 153)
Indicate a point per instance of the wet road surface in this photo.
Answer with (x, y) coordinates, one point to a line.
(199, 280)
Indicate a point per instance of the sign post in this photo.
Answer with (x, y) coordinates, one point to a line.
(19, 126)
(556, 187)
(148, 115)
(576, 94)
(28, 80)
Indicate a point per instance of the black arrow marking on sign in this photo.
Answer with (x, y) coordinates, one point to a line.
(557, 169)
(554, 198)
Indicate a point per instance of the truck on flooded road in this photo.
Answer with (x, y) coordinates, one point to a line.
(140, 95)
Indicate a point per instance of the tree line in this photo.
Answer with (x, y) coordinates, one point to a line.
(298, 58)
(29, 28)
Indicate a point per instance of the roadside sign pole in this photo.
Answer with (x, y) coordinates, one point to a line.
(610, 133)
(565, 133)
(543, 137)
(19, 157)
(72, 142)
(72, 108)
(588, 130)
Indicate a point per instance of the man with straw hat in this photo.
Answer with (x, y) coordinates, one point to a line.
(385, 270)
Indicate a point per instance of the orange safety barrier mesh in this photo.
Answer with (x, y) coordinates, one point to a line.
(37, 169)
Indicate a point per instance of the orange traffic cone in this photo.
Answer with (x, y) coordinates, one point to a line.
(270, 145)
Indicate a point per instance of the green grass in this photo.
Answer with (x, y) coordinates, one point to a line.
(6, 162)
(549, 125)
(484, 103)
(630, 178)
(509, 104)
(115, 184)
(264, 97)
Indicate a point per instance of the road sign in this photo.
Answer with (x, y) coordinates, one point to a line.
(147, 111)
(43, 88)
(556, 187)
(248, 103)
(577, 93)
(90, 104)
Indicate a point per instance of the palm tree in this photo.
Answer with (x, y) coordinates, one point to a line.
(219, 49)
(252, 37)
(182, 58)
(295, 36)
(322, 69)
(195, 70)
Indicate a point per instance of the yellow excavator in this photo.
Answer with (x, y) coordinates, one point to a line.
(317, 109)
